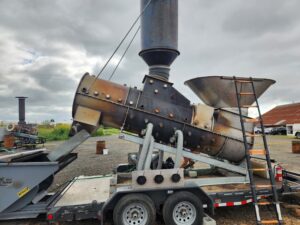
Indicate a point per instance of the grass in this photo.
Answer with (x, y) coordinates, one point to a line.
(61, 132)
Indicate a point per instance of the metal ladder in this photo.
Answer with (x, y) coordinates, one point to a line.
(251, 152)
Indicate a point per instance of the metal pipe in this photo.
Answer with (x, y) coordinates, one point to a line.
(179, 147)
(160, 159)
(146, 143)
(149, 154)
(159, 34)
(21, 109)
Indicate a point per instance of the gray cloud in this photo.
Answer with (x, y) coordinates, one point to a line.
(46, 46)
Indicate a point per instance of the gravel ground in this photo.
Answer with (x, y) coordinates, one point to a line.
(88, 163)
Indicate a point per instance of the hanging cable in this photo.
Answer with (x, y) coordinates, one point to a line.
(128, 46)
(119, 45)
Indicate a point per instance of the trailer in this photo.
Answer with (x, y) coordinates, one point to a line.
(129, 196)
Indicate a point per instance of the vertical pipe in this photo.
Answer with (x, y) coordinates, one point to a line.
(145, 148)
(178, 157)
(21, 109)
(159, 33)
(149, 154)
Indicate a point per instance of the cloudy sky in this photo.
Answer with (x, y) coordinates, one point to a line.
(46, 46)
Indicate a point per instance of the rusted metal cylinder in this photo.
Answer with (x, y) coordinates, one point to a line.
(296, 147)
(162, 105)
(99, 147)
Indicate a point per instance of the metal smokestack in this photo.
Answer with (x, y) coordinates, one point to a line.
(159, 32)
(21, 109)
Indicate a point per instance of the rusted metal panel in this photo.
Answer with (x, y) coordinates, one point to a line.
(87, 116)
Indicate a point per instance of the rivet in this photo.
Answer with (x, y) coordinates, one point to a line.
(157, 110)
(171, 115)
(107, 96)
(96, 93)
(155, 91)
(165, 85)
(119, 100)
(131, 102)
(151, 81)
(84, 90)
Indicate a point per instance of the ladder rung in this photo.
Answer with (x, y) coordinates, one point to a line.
(259, 169)
(249, 106)
(264, 203)
(252, 120)
(244, 81)
(263, 185)
(253, 135)
(269, 222)
(257, 151)
(246, 93)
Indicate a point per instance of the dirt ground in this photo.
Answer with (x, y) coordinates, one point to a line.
(88, 163)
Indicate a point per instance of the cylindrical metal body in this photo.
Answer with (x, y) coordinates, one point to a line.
(21, 109)
(159, 33)
(163, 106)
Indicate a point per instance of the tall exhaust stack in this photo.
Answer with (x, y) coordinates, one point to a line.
(21, 109)
(159, 33)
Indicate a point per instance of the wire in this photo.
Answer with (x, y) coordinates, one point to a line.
(128, 46)
(119, 45)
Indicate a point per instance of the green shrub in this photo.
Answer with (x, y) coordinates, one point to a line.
(61, 132)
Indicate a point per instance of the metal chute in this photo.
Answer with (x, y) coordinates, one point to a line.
(219, 91)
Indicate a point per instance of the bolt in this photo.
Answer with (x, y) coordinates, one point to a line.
(107, 96)
(157, 110)
(189, 133)
(151, 81)
(165, 85)
(119, 100)
(171, 115)
(155, 91)
(96, 93)
(131, 102)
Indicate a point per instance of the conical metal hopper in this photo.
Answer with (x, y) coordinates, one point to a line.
(219, 91)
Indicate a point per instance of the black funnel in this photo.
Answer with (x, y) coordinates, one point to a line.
(159, 29)
(21, 109)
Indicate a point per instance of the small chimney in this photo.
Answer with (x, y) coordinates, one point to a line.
(21, 109)
(159, 30)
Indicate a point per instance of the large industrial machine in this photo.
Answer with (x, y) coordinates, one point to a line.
(22, 134)
(159, 119)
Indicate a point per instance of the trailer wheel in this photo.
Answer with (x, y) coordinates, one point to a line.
(134, 209)
(183, 208)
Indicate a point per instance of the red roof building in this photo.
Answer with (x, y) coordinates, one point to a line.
(282, 115)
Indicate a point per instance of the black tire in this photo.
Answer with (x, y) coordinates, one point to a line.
(138, 204)
(187, 202)
(298, 135)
